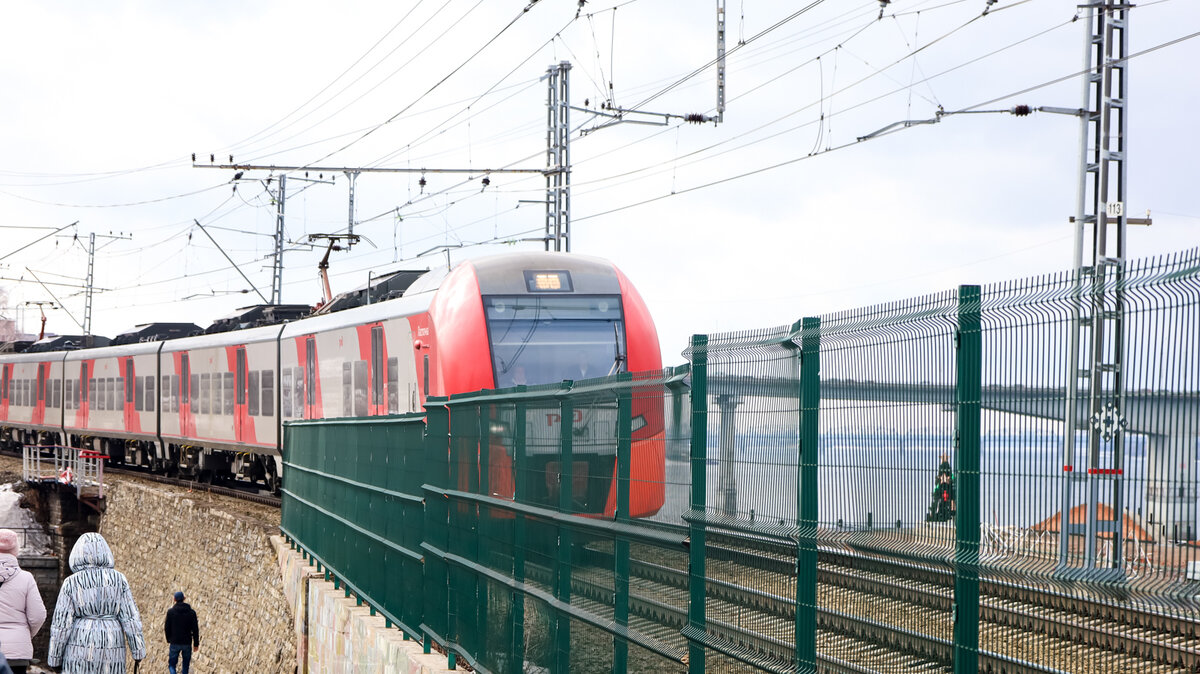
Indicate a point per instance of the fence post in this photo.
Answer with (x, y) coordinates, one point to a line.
(967, 447)
(806, 496)
(520, 495)
(699, 458)
(566, 479)
(621, 544)
(437, 471)
(483, 529)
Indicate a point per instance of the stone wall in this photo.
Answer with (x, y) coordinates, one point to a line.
(45, 572)
(165, 540)
(335, 635)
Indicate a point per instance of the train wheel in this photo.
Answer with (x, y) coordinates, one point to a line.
(272, 478)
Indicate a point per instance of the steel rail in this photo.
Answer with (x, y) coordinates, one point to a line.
(1162, 646)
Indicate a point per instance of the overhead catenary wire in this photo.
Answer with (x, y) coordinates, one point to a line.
(856, 142)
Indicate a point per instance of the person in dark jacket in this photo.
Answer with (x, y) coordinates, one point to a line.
(183, 633)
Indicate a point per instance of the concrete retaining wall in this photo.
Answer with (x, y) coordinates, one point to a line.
(334, 635)
(165, 541)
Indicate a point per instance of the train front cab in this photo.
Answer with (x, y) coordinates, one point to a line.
(541, 319)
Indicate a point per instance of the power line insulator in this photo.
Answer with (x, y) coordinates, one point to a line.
(1022, 110)
(486, 181)
(695, 118)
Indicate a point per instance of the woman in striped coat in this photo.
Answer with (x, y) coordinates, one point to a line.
(95, 615)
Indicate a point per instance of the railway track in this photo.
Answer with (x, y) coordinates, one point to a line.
(1125, 636)
(246, 493)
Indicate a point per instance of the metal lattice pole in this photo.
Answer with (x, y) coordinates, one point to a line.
(87, 298)
(280, 202)
(558, 158)
(1097, 337)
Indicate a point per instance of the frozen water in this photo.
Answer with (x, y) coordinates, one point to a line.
(33, 537)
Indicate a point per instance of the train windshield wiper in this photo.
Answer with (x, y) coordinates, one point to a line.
(619, 357)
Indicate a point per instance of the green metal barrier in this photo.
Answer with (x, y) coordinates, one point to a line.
(513, 529)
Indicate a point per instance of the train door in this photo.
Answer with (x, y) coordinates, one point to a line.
(39, 402)
(239, 410)
(186, 425)
(129, 415)
(5, 375)
(310, 379)
(378, 373)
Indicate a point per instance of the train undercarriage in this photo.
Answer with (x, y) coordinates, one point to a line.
(202, 464)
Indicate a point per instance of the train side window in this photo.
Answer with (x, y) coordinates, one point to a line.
(285, 390)
(84, 382)
(174, 393)
(119, 392)
(150, 393)
(139, 393)
(103, 393)
(4, 386)
(393, 385)
(347, 391)
(216, 393)
(252, 395)
(426, 366)
(192, 390)
(41, 382)
(165, 392)
(227, 384)
(298, 392)
(205, 393)
(360, 388)
(67, 395)
(58, 393)
(129, 383)
(268, 394)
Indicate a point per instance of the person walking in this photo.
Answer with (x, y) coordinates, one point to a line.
(183, 633)
(22, 611)
(96, 616)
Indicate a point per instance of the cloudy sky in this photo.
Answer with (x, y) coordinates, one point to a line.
(779, 212)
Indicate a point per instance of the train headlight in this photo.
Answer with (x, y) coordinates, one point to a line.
(639, 422)
(498, 428)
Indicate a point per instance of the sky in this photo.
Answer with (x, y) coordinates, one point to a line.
(791, 206)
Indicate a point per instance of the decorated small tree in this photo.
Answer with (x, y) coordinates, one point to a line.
(942, 507)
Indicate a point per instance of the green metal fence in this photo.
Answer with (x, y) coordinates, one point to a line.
(733, 514)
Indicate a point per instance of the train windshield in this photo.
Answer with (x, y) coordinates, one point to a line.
(546, 339)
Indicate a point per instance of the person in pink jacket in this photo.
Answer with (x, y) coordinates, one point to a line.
(22, 611)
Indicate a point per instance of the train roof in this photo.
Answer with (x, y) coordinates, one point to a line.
(384, 287)
(137, 349)
(67, 343)
(15, 346)
(265, 333)
(156, 332)
(258, 315)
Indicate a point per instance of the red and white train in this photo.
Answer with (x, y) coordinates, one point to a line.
(214, 405)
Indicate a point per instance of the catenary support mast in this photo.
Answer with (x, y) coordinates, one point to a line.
(1097, 338)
